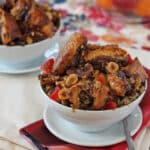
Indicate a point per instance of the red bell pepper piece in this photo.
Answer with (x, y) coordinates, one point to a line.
(130, 60)
(47, 66)
(111, 105)
(101, 79)
(54, 94)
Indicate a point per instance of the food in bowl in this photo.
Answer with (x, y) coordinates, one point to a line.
(92, 77)
(25, 22)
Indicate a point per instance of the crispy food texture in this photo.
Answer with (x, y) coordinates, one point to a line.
(10, 3)
(68, 52)
(74, 96)
(9, 29)
(37, 18)
(112, 67)
(112, 51)
(136, 68)
(94, 77)
(100, 97)
(117, 85)
(27, 21)
(20, 8)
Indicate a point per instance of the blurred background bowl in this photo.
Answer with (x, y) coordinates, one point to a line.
(24, 55)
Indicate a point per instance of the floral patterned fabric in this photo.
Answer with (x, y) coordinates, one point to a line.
(101, 26)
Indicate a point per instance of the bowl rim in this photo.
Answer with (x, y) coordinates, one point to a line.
(95, 111)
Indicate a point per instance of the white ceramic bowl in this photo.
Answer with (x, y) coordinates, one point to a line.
(92, 121)
(23, 55)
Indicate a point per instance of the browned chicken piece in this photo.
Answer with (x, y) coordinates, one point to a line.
(38, 20)
(117, 85)
(100, 97)
(79, 95)
(47, 9)
(9, 29)
(92, 46)
(21, 8)
(112, 51)
(74, 96)
(52, 14)
(68, 52)
(10, 3)
(136, 68)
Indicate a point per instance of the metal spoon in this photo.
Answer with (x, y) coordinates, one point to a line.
(128, 136)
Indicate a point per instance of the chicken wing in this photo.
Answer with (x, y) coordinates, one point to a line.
(9, 29)
(67, 54)
(10, 3)
(117, 85)
(100, 97)
(39, 21)
(112, 51)
(136, 68)
(20, 8)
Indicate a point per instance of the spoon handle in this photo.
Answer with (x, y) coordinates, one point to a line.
(128, 136)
